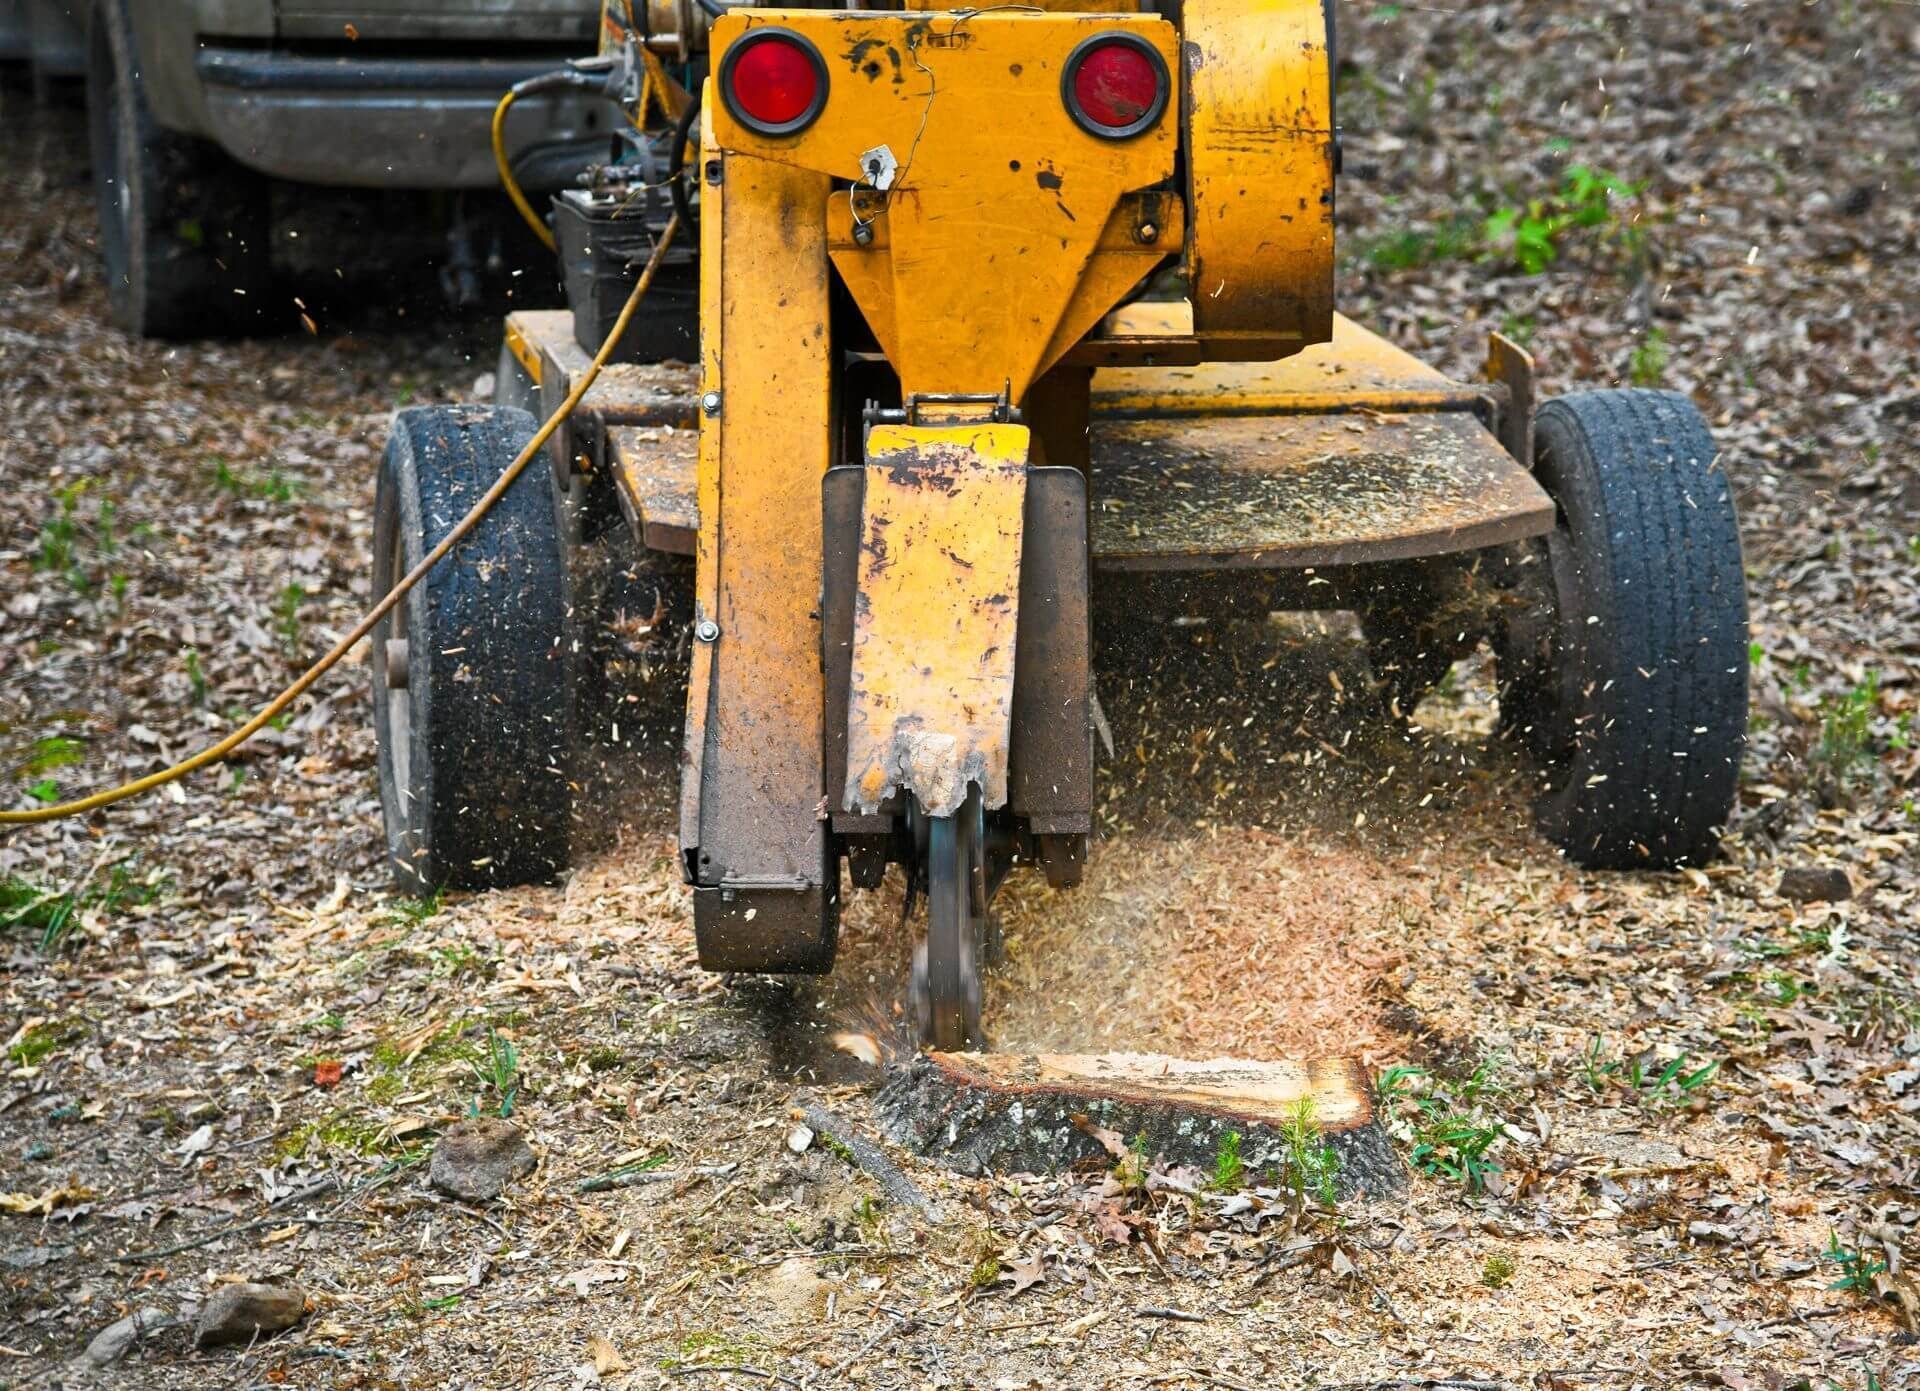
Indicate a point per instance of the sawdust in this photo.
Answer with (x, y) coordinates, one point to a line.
(1247, 945)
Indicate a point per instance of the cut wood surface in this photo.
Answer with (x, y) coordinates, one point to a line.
(1004, 1112)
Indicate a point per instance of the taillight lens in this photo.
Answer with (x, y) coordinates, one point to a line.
(1115, 85)
(774, 81)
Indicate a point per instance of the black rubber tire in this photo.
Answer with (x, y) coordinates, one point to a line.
(487, 799)
(1634, 692)
(183, 228)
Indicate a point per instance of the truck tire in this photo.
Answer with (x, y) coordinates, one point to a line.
(472, 683)
(1628, 675)
(183, 229)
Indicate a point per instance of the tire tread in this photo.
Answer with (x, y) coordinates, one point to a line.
(1658, 556)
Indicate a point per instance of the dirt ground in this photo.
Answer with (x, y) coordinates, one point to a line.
(231, 1061)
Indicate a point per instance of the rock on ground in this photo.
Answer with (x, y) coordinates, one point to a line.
(111, 1343)
(242, 1313)
(1816, 884)
(477, 1158)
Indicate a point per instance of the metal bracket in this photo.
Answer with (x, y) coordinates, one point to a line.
(1511, 366)
(946, 408)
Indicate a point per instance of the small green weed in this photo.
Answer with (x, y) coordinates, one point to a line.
(706, 1348)
(498, 1070)
(1497, 1271)
(1455, 240)
(1857, 1269)
(416, 910)
(1673, 1084)
(45, 755)
(1229, 1170)
(275, 487)
(1309, 1165)
(1587, 203)
(196, 678)
(459, 959)
(358, 1134)
(39, 1043)
(59, 551)
(1648, 365)
(986, 1264)
(870, 1218)
(1131, 1172)
(286, 616)
(1451, 1129)
(1519, 327)
(53, 914)
(1846, 725)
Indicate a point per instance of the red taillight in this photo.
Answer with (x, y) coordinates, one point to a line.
(774, 81)
(1115, 85)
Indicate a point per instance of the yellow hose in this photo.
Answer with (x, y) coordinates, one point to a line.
(507, 181)
(380, 610)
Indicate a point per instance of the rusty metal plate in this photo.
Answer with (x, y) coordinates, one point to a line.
(1356, 370)
(628, 393)
(654, 470)
(936, 615)
(1279, 492)
(1050, 766)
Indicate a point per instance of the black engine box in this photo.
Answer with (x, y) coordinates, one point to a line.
(605, 239)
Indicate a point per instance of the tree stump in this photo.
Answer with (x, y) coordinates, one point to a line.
(1000, 1112)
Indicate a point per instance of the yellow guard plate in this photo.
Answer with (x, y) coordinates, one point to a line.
(935, 615)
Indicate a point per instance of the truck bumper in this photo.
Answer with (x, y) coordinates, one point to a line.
(393, 122)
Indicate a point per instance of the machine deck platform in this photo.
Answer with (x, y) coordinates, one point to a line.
(1352, 452)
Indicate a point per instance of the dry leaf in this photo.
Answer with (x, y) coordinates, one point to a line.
(1112, 1140)
(606, 1357)
(1026, 1272)
(44, 1203)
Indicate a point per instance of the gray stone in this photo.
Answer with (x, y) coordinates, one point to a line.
(244, 1313)
(1816, 884)
(111, 1343)
(477, 1158)
(33, 1257)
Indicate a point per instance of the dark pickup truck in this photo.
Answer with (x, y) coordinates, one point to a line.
(195, 104)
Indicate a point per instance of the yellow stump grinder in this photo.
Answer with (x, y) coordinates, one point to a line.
(978, 314)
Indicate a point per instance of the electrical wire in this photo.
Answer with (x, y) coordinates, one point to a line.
(546, 82)
(366, 625)
(507, 181)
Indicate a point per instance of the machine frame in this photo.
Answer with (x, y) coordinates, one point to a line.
(967, 360)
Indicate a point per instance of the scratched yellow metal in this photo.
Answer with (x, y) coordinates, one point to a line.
(749, 800)
(1355, 370)
(523, 350)
(936, 612)
(1259, 153)
(1001, 200)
